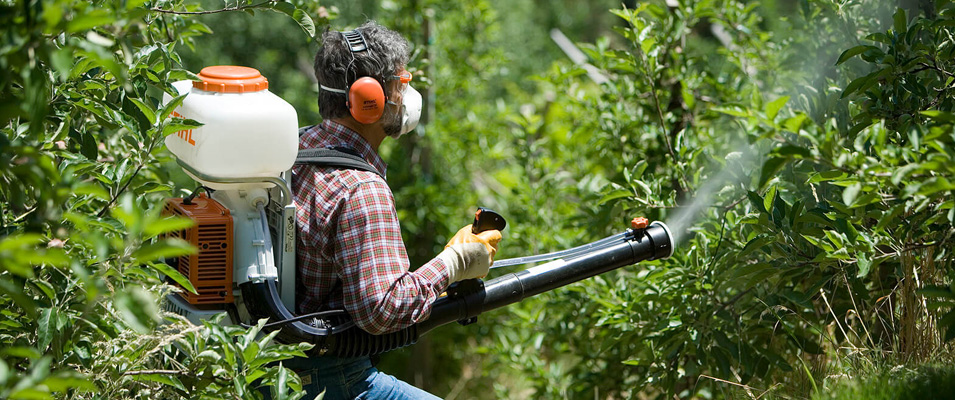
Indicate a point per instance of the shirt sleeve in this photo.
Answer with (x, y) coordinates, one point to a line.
(379, 292)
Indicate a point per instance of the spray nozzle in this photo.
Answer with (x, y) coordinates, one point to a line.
(639, 223)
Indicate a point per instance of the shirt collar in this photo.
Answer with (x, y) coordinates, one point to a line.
(332, 134)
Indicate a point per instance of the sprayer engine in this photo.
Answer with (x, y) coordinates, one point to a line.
(209, 270)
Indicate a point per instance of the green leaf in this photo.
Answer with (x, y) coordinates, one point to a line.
(770, 168)
(850, 193)
(171, 106)
(299, 16)
(31, 394)
(750, 268)
(791, 151)
(4, 373)
(836, 239)
(794, 123)
(181, 75)
(284, 7)
(614, 195)
(175, 276)
(167, 248)
(756, 200)
(64, 381)
(863, 83)
(145, 109)
(864, 263)
(901, 173)
(900, 22)
(770, 197)
(250, 352)
(62, 61)
(165, 379)
(138, 308)
(91, 189)
(89, 19)
(44, 332)
(756, 244)
(936, 291)
(772, 109)
(210, 355)
(52, 257)
(175, 127)
(942, 116)
(935, 185)
(28, 353)
(305, 21)
(281, 387)
(852, 52)
(16, 293)
(255, 374)
(20, 241)
(44, 287)
(823, 176)
(734, 111)
(167, 225)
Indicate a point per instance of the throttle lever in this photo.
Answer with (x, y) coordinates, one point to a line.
(486, 219)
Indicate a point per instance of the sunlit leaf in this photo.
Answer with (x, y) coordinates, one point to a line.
(167, 225)
(772, 109)
(167, 248)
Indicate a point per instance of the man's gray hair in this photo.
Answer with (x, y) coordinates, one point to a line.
(336, 66)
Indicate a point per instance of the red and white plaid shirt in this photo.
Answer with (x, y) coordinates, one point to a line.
(349, 251)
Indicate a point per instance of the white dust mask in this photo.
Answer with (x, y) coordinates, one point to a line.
(410, 109)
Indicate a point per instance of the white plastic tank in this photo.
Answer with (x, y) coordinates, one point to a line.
(248, 132)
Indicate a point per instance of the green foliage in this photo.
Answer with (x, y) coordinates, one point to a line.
(801, 151)
(811, 206)
(81, 271)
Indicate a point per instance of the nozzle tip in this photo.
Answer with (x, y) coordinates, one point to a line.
(666, 229)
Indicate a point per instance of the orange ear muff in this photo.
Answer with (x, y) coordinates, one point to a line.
(366, 100)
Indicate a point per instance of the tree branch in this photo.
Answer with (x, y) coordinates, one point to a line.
(154, 372)
(121, 190)
(732, 301)
(227, 9)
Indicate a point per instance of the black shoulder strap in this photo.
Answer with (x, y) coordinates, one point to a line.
(339, 158)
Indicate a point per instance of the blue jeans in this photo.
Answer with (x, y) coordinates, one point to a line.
(350, 378)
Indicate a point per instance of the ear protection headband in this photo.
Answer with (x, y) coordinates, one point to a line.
(365, 96)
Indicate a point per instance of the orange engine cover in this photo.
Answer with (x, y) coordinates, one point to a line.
(210, 270)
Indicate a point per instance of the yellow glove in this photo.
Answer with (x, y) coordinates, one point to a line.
(470, 255)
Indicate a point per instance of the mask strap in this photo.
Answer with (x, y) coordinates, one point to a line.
(333, 90)
(402, 97)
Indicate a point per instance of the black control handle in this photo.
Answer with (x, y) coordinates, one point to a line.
(486, 219)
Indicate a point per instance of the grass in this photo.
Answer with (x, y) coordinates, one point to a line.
(930, 381)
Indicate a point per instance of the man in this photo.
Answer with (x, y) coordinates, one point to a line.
(350, 252)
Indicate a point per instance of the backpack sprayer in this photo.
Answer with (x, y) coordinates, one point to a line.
(245, 227)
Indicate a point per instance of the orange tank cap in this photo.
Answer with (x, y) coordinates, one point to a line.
(230, 79)
(639, 223)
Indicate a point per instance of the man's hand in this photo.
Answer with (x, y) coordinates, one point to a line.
(470, 255)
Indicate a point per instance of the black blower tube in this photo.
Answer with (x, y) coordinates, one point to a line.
(478, 297)
(466, 300)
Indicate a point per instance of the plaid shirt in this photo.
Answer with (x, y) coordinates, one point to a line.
(349, 251)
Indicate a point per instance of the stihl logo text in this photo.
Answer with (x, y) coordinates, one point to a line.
(184, 134)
